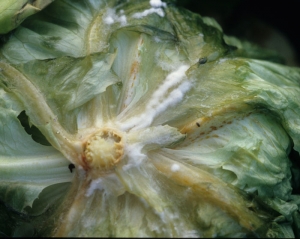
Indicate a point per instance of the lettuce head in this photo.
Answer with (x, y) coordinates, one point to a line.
(141, 119)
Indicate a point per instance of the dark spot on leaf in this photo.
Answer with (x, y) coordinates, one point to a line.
(202, 60)
(71, 167)
(120, 84)
(198, 124)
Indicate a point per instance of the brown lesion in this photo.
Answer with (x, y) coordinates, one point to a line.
(84, 164)
(134, 69)
(201, 128)
(213, 127)
(228, 113)
(133, 73)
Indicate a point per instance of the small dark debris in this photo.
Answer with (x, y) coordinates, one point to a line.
(71, 167)
(198, 124)
(202, 60)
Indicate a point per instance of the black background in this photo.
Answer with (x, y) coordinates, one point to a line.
(237, 18)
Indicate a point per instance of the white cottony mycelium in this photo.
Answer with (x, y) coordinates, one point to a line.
(175, 167)
(157, 3)
(168, 128)
(138, 142)
(156, 7)
(145, 13)
(111, 17)
(137, 131)
(167, 95)
(134, 154)
(126, 142)
(109, 183)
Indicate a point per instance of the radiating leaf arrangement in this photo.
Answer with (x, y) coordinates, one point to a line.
(141, 119)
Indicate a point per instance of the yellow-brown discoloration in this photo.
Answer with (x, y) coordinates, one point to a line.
(199, 123)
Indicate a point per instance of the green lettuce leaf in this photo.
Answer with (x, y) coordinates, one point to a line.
(26, 166)
(205, 131)
(14, 12)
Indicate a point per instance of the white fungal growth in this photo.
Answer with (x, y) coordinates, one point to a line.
(167, 95)
(134, 155)
(109, 20)
(156, 107)
(157, 39)
(95, 185)
(111, 17)
(123, 20)
(145, 13)
(172, 79)
(156, 7)
(157, 3)
(175, 167)
(109, 183)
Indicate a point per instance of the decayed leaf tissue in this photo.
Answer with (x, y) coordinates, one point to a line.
(141, 119)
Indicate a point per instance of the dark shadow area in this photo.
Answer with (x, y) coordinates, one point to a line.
(274, 26)
(35, 133)
(295, 159)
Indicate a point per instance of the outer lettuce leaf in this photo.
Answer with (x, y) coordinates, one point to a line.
(65, 28)
(26, 166)
(250, 153)
(25, 224)
(79, 28)
(278, 92)
(14, 12)
(245, 153)
(198, 37)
